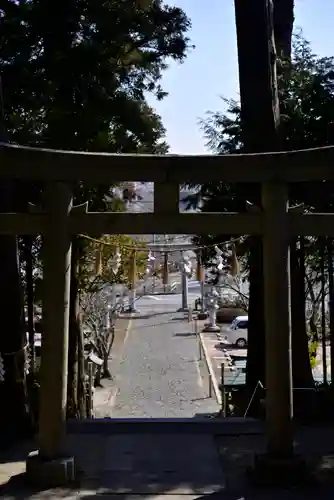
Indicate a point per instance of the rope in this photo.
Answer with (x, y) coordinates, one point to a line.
(179, 249)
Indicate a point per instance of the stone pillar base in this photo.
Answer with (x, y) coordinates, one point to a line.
(49, 473)
(211, 328)
(273, 471)
(183, 309)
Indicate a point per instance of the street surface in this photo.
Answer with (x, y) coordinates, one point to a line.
(160, 375)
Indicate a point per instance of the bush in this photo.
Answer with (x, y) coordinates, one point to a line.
(312, 349)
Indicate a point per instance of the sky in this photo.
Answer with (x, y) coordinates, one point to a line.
(211, 71)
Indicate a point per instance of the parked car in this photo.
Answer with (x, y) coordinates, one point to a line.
(228, 313)
(237, 334)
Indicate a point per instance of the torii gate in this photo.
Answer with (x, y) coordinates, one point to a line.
(276, 225)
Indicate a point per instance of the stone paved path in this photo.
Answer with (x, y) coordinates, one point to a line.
(159, 375)
(145, 464)
(135, 465)
(167, 466)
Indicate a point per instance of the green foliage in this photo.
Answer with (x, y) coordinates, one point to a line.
(89, 281)
(312, 349)
(306, 94)
(75, 74)
(306, 89)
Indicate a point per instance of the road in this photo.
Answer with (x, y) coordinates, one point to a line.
(159, 374)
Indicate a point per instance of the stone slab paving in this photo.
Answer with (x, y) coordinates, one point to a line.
(160, 375)
(103, 395)
(133, 465)
(173, 466)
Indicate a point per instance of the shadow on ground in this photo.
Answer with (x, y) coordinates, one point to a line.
(185, 334)
(155, 324)
(221, 346)
(147, 316)
(198, 466)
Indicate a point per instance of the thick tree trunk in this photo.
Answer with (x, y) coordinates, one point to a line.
(256, 333)
(260, 121)
(14, 419)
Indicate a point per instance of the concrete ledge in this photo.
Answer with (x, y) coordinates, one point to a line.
(200, 425)
(49, 473)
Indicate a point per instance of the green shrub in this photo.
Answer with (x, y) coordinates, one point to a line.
(312, 349)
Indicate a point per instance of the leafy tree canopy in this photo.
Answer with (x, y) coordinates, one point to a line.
(75, 74)
(307, 112)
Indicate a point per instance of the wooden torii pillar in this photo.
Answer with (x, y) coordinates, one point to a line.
(277, 319)
(50, 465)
(279, 465)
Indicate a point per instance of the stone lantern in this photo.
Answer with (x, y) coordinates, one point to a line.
(212, 307)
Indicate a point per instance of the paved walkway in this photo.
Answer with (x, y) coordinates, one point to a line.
(160, 375)
(127, 466)
(168, 467)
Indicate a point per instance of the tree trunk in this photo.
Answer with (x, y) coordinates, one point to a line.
(322, 242)
(331, 306)
(76, 375)
(259, 124)
(256, 332)
(301, 366)
(72, 381)
(107, 352)
(14, 419)
(82, 393)
(27, 240)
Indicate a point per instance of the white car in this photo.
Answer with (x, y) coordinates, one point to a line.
(238, 332)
